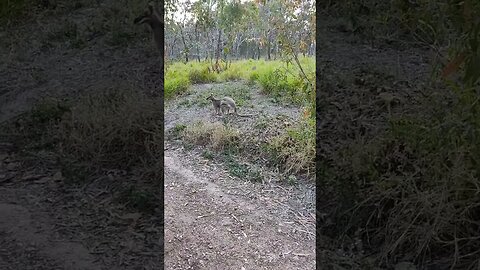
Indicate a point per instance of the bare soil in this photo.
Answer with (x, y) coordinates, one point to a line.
(215, 222)
(48, 223)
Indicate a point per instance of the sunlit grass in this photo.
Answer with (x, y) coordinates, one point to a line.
(277, 78)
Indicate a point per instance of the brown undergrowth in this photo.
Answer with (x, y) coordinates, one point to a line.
(400, 182)
(114, 129)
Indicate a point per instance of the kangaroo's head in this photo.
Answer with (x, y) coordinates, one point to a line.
(150, 16)
(210, 97)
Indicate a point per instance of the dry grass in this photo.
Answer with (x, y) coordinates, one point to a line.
(272, 142)
(118, 126)
(295, 148)
(215, 135)
(406, 187)
(412, 191)
(114, 128)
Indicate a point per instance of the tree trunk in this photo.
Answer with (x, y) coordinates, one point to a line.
(172, 50)
(185, 48)
(268, 51)
(268, 46)
(219, 41)
(198, 43)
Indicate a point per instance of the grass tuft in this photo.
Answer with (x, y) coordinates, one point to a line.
(214, 135)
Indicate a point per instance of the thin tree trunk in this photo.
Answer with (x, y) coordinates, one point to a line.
(185, 49)
(198, 43)
(219, 41)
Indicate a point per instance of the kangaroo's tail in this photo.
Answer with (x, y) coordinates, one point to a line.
(245, 115)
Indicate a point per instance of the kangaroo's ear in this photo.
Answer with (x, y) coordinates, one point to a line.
(138, 19)
(150, 7)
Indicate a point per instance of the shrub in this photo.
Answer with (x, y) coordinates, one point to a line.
(295, 148)
(174, 86)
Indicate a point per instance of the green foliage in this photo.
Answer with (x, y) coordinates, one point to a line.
(202, 75)
(276, 78)
(177, 130)
(231, 14)
(175, 86)
(278, 84)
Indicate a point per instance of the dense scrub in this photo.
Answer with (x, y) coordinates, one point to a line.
(411, 191)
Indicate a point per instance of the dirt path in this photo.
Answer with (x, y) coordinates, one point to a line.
(216, 221)
(47, 223)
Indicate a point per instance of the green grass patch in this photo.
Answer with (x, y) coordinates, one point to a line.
(276, 78)
(243, 170)
(201, 75)
(208, 154)
(174, 86)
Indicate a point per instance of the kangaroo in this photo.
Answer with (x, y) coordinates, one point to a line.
(225, 104)
(216, 104)
(153, 17)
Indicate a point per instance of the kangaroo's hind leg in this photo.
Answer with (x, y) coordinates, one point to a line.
(224, 107)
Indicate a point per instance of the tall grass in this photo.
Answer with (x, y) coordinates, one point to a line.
(295, 148)
(412, 192)
(275, 77)
(113, 127)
